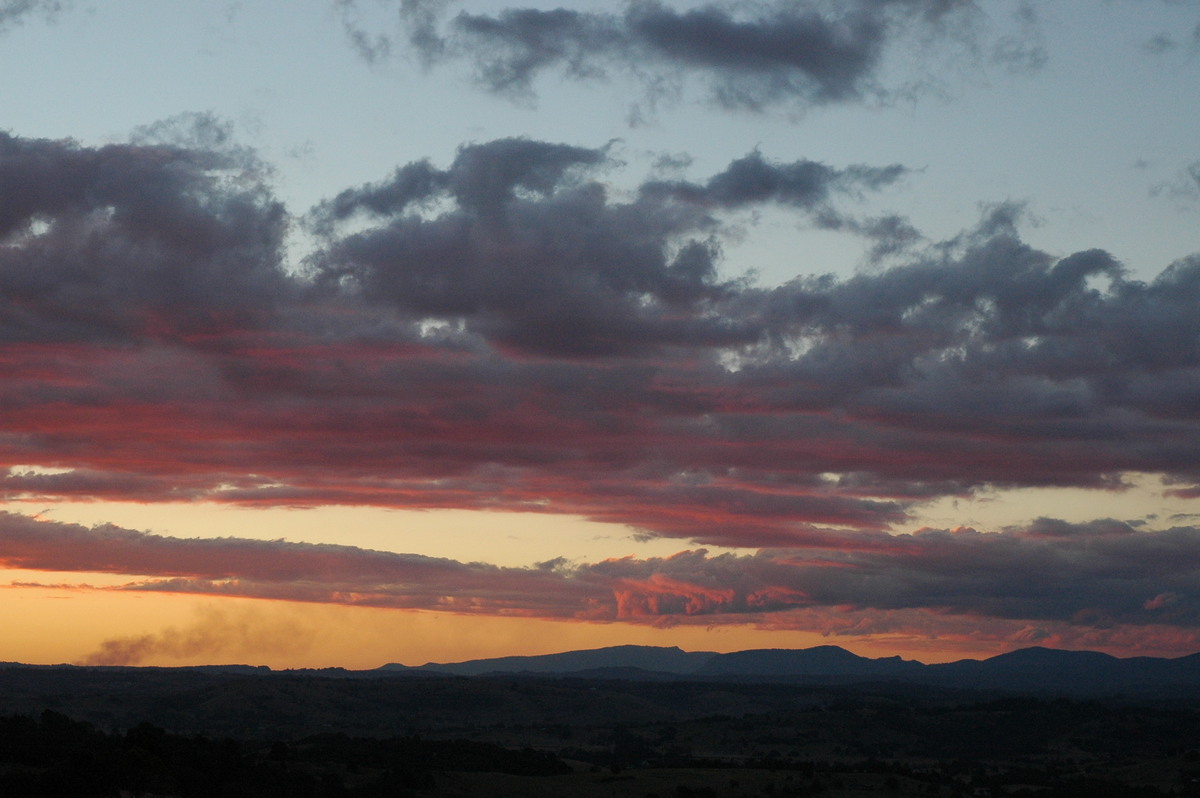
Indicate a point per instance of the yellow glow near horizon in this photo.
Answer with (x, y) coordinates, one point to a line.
(86, 624)
(49, 625)
(992, 509)
(51, 617)
(499, 538)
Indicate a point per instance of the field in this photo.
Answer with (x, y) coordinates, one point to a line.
(193, 733)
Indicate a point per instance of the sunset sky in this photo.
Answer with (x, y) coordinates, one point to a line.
(346, 332)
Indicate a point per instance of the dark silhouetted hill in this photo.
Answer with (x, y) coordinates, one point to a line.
(821, 661)
(1072, 672)
(646, 658)
(1033, 669)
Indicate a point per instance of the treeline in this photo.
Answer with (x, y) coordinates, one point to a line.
(52, 755)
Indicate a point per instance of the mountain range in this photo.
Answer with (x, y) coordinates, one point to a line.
(1034, 668)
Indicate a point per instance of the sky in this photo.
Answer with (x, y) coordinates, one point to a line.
(347, 332)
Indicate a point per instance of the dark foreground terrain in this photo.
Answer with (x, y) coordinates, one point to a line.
(196, 732)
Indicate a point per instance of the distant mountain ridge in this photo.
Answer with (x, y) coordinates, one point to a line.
(1027, 670)
(648, 658)
(1034, 668)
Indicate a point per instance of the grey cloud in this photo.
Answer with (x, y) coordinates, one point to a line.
(371, 48)
(1159, 44)
(1004, 294)
(1165, 42)
(1024, 50)
(779, 52)
(107, 548)
(486, 176)
(1097, 574)
(536, 256)
(787, 54)
(19, 483)
(278, 569)
(519, 43)
(482, 179)
(413, 183)
(1068, 356)
(753, 179)
(890, 235)
(202, 132)
(102, 239)
(507, 333)
(1057, 528)
(13, 12)
(1089, 574)
(421, 19)
(1185, 185)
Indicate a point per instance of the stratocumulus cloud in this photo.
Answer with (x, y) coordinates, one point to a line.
(536, 257)
(1064, 579)
(507, 333)
(13, 12)
(745, 56)
(129, 241)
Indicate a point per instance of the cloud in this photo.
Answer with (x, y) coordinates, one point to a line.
(512, 333)
(323, 573)
(1024, 49)
(1083, 579)
(13, 12)
(747, 57)
(534, 256)
(1165, 42)
(1185, 185)
(1160, 43)
(753, 180)
(125, 240)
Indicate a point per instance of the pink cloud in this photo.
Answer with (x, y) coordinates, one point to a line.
(1088, 586)
(586, 359)
(532, 341)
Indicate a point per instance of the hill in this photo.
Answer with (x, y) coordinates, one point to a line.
(1035, 669)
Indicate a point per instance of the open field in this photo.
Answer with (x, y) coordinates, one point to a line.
(195, 733)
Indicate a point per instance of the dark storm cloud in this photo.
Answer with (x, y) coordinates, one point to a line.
(537, 257)
(749, 56)
(116, 239)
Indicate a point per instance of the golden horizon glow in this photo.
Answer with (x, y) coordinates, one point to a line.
(71, 617)
(48, 626)
(497, 537)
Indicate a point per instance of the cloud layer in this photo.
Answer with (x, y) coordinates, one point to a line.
(744, 56)
(12, 12)
(509, 332)
(1099, 582)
